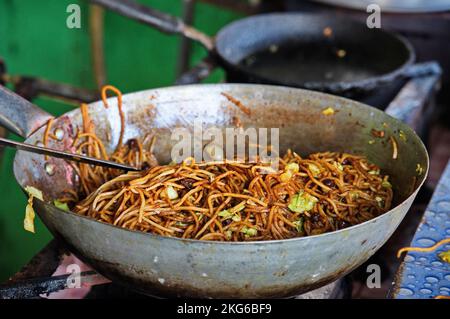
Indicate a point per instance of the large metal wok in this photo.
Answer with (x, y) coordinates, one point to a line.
(168, 266)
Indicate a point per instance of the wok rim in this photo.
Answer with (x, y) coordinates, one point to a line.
(340, 99)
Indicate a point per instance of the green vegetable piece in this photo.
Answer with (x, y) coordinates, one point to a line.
(302, 202)
(299, 225)
(248, 231)
(236, 218)
(338, 166)
(386, 184)
(315, 170)
(225, 214)
(238, 207)
(61, 205)
(33, 191)
(380, 201)
(171, 192)
(28, 222)
(232, 212)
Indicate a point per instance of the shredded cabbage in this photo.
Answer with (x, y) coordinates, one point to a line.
(386, 184)
(171, 192)
(61, 205)
(28, 222)
(302, 202)
(248, 231)
(299, 225)
(289, 171)
(232, 212)
(338, 166)
(315, 170)
(225, 214)
(379, 201)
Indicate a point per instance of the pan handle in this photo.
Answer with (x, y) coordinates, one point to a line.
(422, 69)
(161, 21)
(201, 71)
(410, 103)
(19, 115)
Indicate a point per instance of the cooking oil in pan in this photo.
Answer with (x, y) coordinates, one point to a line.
(300, 63)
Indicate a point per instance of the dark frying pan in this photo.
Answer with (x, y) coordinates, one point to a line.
(169, 266)
(292, 49)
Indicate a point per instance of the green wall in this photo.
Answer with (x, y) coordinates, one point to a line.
(34, 40)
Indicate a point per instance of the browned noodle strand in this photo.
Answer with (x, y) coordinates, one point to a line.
(231, 201)
(47, 133)
(87, 142)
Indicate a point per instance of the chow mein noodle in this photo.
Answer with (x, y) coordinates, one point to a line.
(231, 201)
(135, 152)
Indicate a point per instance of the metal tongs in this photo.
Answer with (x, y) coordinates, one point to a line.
(64, 155)
(7, 98)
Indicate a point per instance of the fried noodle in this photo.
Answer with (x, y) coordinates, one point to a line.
(231, 201)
